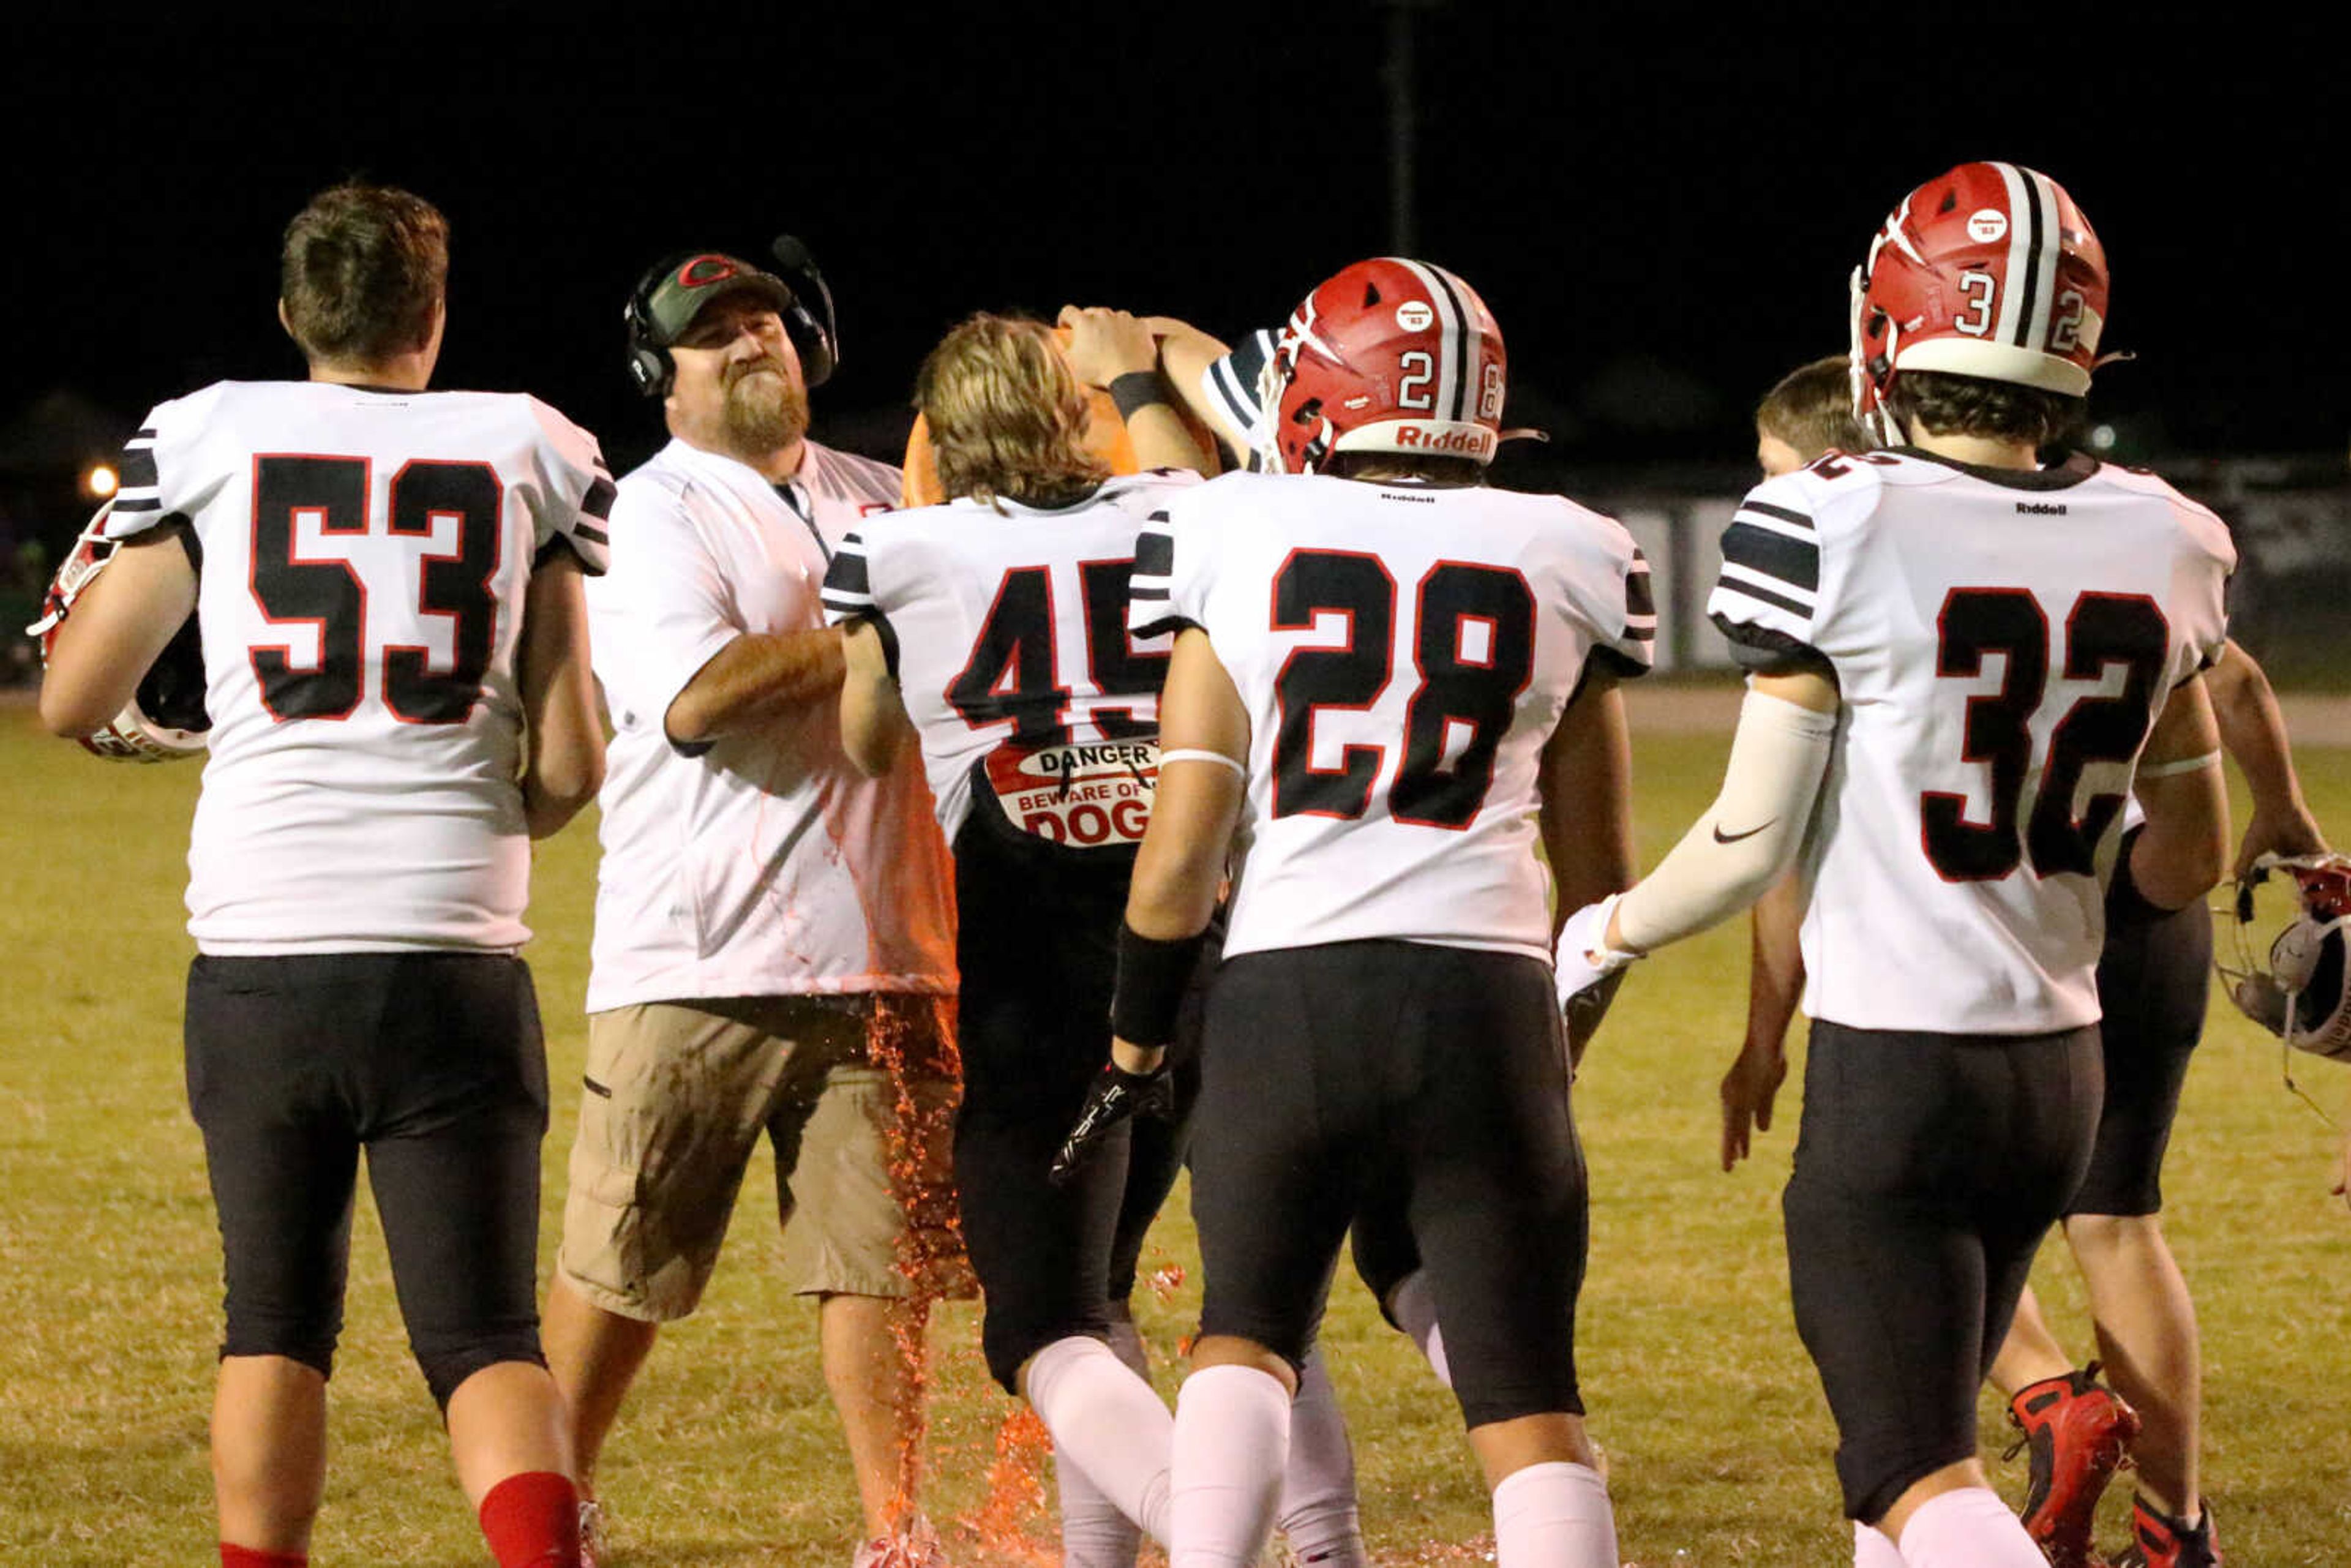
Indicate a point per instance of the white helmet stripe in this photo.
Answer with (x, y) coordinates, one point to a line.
(2048, 245)
(1450, 376)
(2014, 286)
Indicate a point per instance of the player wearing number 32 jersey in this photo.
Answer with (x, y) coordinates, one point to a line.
(1963, 664)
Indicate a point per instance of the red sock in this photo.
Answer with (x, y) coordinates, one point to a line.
(249, 1557)
(532, 1521)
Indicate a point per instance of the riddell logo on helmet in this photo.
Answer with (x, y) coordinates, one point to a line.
(1454, 442)
(1987, 225)
(1415, 316)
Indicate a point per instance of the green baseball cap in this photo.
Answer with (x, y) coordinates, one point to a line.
(688, 285)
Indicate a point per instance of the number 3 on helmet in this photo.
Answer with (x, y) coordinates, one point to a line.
(1989, 271)
(1391, 356)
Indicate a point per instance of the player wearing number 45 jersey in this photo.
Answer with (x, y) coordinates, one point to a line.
(387, 582)
(1388, 683)
(1964, 664)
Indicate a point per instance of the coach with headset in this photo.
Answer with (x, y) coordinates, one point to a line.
(774, 941)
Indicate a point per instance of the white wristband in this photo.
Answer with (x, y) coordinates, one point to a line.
(1195, 754)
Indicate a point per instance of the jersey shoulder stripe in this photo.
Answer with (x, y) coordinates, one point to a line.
(847, 582)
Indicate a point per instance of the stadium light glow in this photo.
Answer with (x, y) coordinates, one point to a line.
(101, 481)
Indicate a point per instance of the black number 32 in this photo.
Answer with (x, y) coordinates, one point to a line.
(2102, 628)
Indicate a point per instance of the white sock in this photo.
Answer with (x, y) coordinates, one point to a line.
(1232, 1432)
(1414, 1310)
(1318, 1486)
(1555, 1514)
(1874, 1548)
(1094, 1534)
(1107, 1422)
(1970, 1528)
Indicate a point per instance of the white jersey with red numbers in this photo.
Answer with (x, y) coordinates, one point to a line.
(2002, 642)
(763, 862)
(1005, 627)
(362, 556)
(1405, 652)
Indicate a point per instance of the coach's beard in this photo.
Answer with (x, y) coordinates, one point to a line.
(764, 411)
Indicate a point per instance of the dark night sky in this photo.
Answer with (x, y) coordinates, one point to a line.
(1680, 197)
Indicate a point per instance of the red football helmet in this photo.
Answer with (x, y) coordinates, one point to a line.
(1390, 355)
(1989, 270)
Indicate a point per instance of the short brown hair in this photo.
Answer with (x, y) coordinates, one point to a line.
(1811, 409)
(1007, 416)
(362, 273)
(1946, 404)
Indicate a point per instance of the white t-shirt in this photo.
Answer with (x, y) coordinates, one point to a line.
(762, 863)
(1989, 631)
(1404, 652)
(362, 558)
(1007, 631)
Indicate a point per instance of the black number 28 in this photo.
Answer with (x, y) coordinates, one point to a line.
(1473, 689)
(2102, 628)
(327, 591)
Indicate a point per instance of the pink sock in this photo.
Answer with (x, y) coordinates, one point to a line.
(251, 1557)
(1970, 1528)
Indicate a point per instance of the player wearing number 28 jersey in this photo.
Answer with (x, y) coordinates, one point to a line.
(1389, 684)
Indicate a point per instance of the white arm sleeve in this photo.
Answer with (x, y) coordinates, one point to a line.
(1747, 838)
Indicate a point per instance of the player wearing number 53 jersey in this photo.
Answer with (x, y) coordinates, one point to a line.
(386, 582)
(1389, 684)
(364, 552)
(1964, 662)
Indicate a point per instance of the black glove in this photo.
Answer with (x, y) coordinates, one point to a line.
(1114, 1096)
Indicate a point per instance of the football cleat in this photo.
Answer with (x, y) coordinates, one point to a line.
(1392, 356)
(2078, 1431)
(2161, 1542)
(1991, 271)
(2296, 984)
(591, 1533)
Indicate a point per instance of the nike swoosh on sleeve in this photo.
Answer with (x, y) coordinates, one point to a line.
(1722, 838)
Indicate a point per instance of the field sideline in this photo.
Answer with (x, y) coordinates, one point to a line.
(1718, 1438)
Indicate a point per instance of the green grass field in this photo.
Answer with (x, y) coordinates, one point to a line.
(1718, 1438)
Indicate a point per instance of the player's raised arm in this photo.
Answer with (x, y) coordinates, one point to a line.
(1114, 352)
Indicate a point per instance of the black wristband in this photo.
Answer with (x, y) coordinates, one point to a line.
(2126, 906)
(1153, 976)
(1136, 390)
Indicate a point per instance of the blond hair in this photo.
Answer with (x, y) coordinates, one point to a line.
(1007, 416)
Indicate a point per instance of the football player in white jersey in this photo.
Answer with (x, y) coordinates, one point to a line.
(388, 584)
(1389, 683)
(1964, 662)
(2152, 989)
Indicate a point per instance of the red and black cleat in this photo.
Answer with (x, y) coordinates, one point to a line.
(2161, 1542)
(2079, 1431)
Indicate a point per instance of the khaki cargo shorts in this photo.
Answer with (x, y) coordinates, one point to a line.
(858, 1095)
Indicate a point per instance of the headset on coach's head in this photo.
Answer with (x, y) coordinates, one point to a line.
(815, 332)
